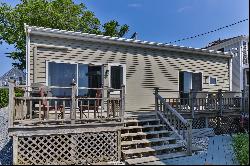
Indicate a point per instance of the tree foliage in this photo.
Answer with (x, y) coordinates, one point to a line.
(58, 14)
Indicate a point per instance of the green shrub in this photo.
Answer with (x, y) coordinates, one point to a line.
(19, 92)
(4, 96)
(241, 148)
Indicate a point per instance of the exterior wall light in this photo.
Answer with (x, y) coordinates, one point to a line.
(106, 73)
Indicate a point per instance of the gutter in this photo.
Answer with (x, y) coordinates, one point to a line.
(122, 41)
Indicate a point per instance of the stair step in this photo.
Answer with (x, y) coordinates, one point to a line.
(140, 120)
(151, 149)
(144, 133)
(142, 127)
(143, 141)
(155, 158)
(140, 116)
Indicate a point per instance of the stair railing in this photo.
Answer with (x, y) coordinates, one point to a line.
(174, 120)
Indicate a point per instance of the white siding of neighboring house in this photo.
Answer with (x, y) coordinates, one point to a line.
(238, 69)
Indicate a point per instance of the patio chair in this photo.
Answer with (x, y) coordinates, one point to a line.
(44, 91)
(91, 106)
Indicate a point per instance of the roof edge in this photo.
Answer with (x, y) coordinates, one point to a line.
(116, 40)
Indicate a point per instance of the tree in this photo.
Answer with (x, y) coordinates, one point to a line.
(59, 14)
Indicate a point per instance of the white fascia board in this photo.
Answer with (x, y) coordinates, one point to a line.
(128, 42)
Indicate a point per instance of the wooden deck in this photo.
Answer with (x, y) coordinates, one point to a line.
(207, 104)
(66, 130)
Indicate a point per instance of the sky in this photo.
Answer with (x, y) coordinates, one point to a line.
(164, 20)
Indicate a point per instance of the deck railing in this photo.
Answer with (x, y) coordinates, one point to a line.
(200, 101)
(74, 109)
(181, 127)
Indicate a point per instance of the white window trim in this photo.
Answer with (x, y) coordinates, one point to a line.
(209, 80)
(123, 79)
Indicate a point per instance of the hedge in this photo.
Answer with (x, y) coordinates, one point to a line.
(4, 96)
(241, 148)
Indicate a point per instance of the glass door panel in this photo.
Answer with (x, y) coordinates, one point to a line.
(61, 74)
(83, 79)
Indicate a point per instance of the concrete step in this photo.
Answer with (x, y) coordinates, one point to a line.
(144, 141)
(151, 149)
(155, 158)
(145, 133)
(143, 127)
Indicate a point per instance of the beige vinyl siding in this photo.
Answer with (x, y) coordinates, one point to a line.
(145, 68)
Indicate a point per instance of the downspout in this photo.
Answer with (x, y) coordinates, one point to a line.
(27, 32)
(230, 63)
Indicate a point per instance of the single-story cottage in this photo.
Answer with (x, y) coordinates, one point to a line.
(54, 57)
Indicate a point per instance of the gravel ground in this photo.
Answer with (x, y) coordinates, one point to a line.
(5, 141)
(198, 142)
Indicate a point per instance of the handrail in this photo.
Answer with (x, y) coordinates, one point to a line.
(75, 108)
(69, 87)
(224, 91)
(172, 110)
(63, 98)
(174, 120)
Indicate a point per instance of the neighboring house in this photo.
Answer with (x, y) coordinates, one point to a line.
(14, 74)
(55, 57)
(238, 46)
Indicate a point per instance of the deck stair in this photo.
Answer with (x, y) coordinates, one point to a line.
(145, 138)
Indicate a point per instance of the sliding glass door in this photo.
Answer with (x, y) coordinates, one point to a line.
(61, 74)
(86, 75)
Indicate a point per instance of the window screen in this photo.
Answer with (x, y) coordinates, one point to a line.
(116, 77)
(197, 81)
(247, 77)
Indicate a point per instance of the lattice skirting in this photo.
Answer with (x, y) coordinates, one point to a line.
(83, 148)
(221, 125)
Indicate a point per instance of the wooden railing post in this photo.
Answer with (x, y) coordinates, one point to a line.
(108, 103)
(243, 101)
(220, 102)
(191, 101)
(119, 145)
(122, 109)
(189, 137)
(73, 104)
(11, 106)
(156, 99)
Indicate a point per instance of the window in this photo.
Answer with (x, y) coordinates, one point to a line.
(212, 81)
(221, 49)
(20, 80)
(116, 78)
(247, 77)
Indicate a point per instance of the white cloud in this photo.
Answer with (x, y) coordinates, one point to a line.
(134, 5)
(182, 9)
